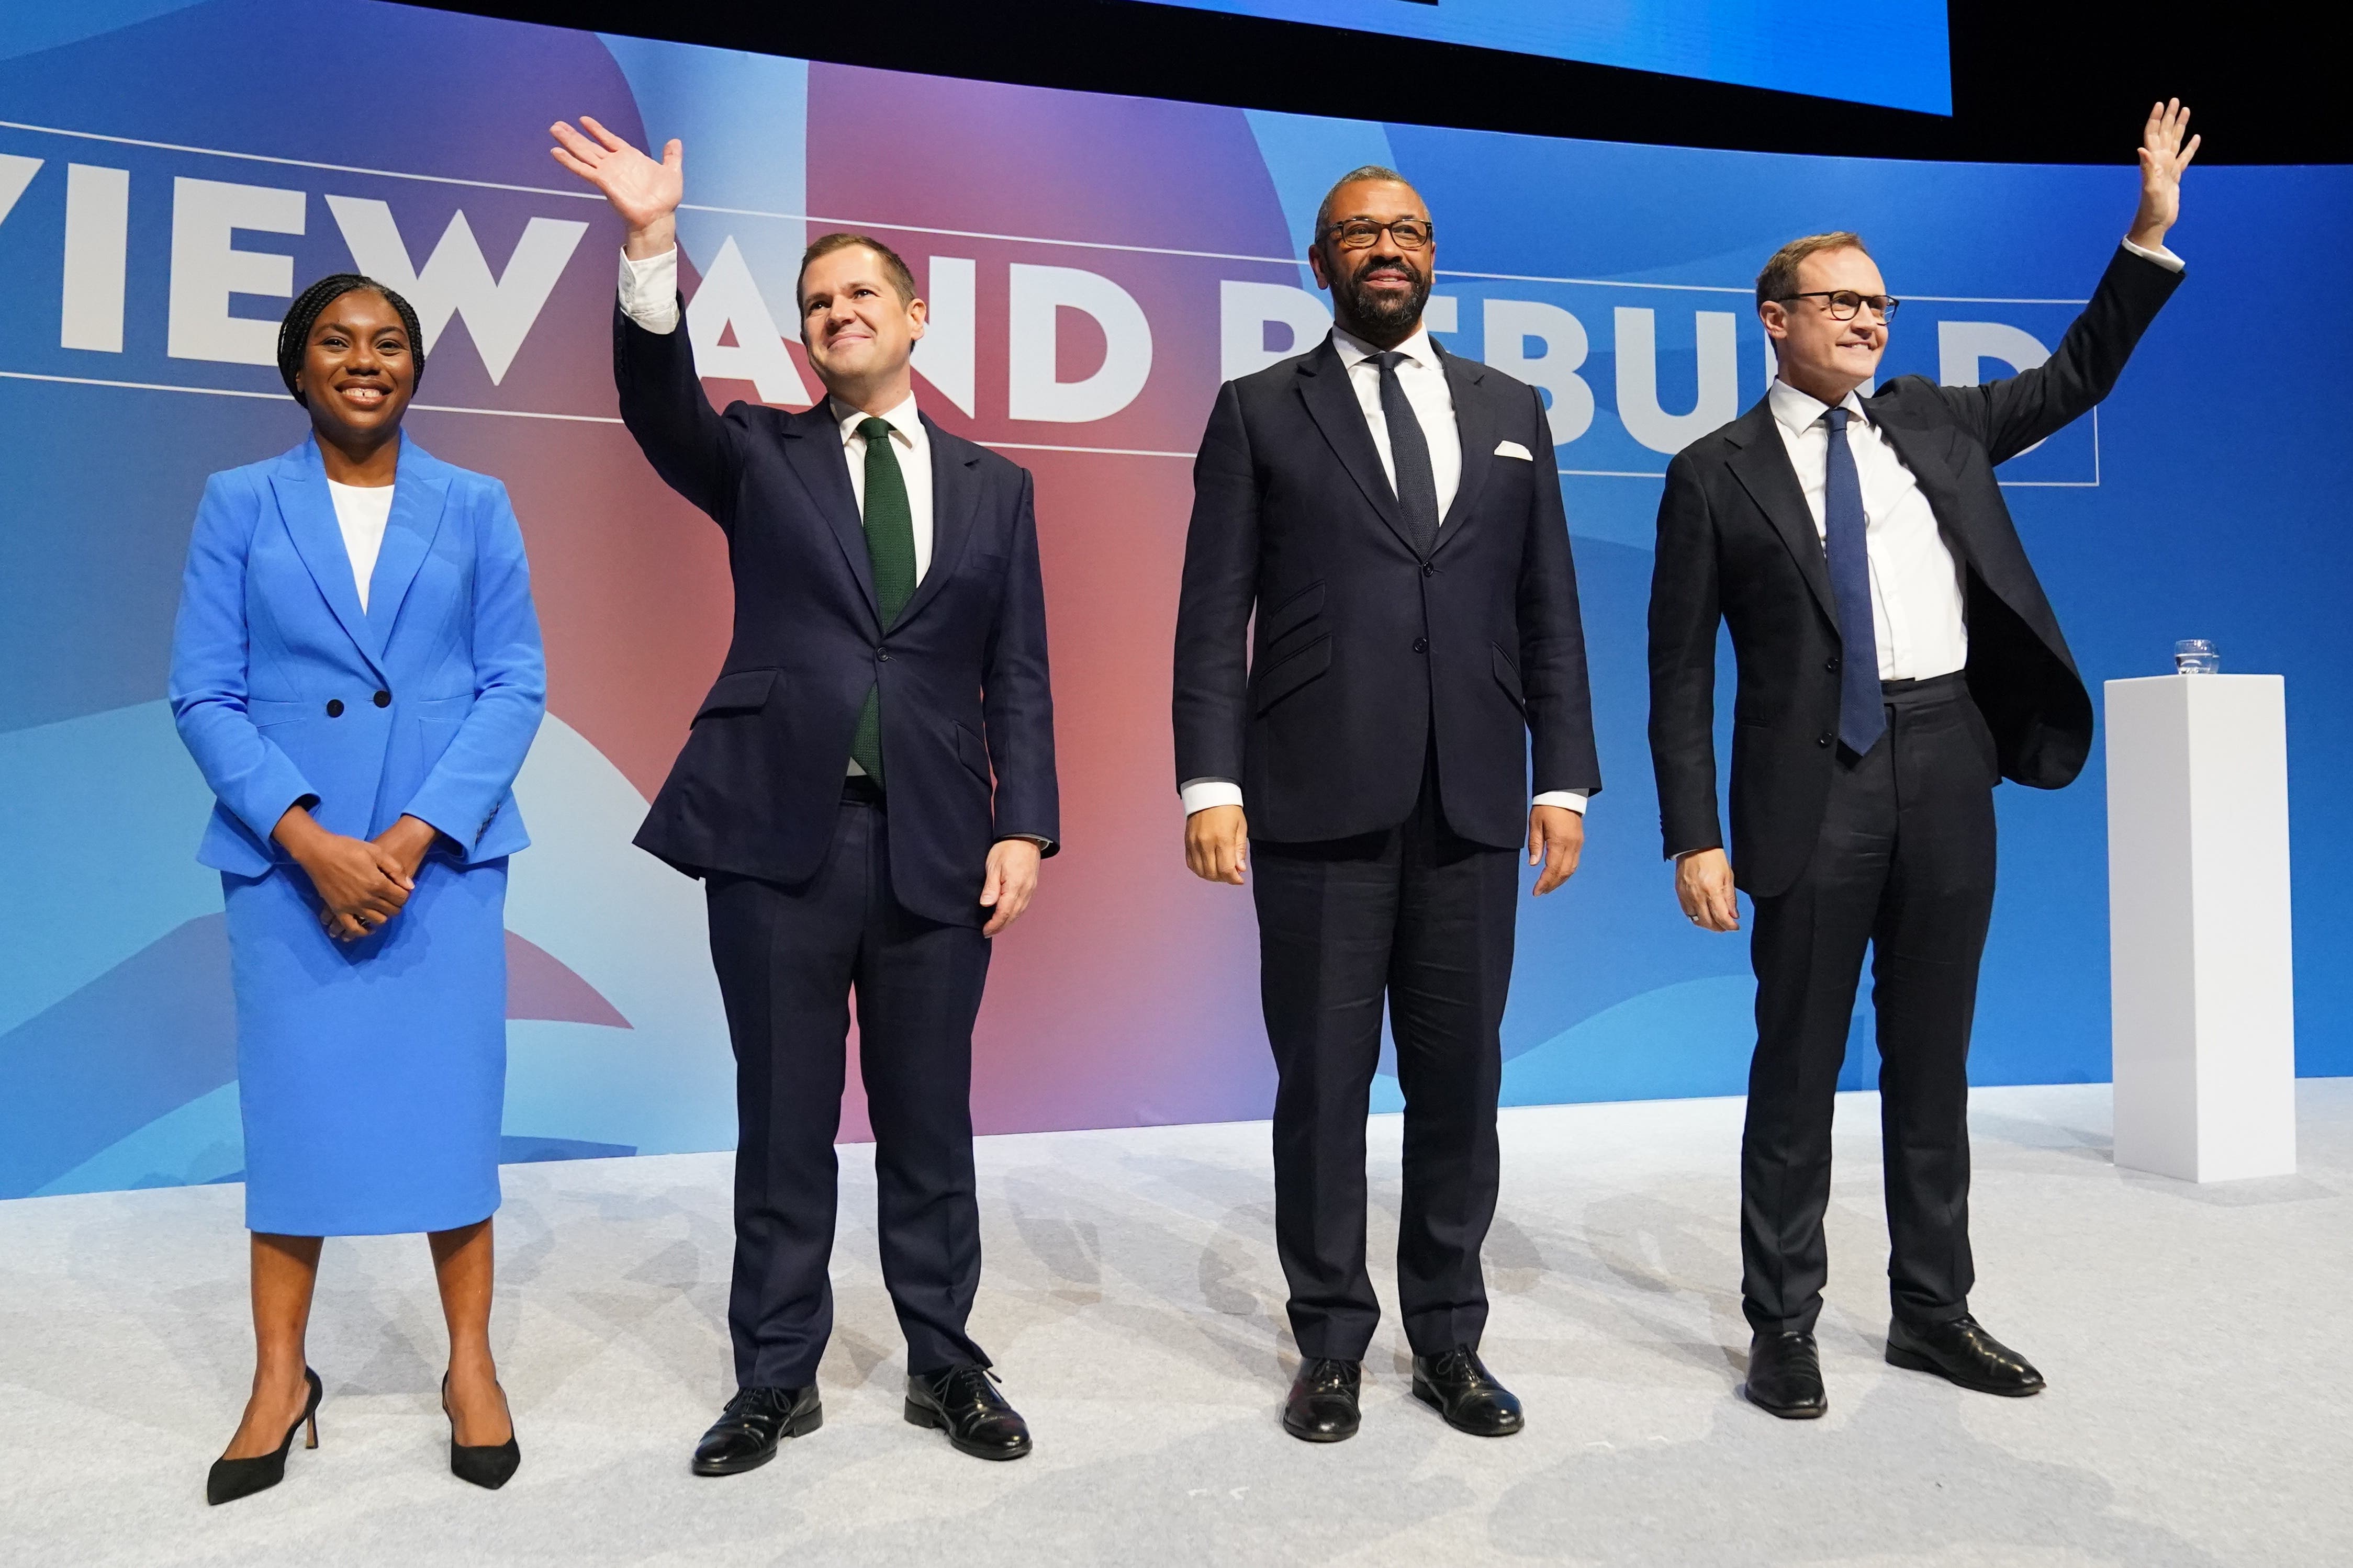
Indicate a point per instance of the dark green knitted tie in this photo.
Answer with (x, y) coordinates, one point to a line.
(891, 549)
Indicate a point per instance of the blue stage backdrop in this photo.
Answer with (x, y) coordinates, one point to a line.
(170, 173)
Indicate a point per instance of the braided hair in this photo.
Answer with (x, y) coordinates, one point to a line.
(294, 333)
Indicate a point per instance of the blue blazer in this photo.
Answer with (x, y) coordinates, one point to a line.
(285, 693)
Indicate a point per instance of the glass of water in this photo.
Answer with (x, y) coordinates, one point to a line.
(2196, 656)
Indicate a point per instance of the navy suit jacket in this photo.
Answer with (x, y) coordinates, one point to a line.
(1362, 647)
(1737, 546)
(967, 715)
(287, 693)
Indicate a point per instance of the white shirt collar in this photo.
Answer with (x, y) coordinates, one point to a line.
(1799, 411)
(903, 420)
(1354, 350)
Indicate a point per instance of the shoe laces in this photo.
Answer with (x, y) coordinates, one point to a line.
(969, 1386)
(1326, 1374)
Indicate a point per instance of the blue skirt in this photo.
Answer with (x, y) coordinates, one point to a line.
(372, 1074)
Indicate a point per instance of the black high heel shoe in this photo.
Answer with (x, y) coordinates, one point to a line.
(488, 1465)
(230, 1480)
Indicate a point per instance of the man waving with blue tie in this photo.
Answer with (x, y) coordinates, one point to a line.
(1897, 660)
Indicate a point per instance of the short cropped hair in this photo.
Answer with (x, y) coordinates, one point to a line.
(1779, 278)
(901, 280)
(1365, 172)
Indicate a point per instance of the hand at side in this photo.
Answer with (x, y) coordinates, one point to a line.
(1555, 842)
(1216, 843)
(1704, 888)
(361, 883)
(1011, 881)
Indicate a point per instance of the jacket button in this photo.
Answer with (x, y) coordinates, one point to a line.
(1421, 644)
(1823, 739)
(334, 706)
(883, 654)
(1831, 667)
(1428, 569)
(383, 698)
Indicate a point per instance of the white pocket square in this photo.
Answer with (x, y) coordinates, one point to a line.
(1513, 449)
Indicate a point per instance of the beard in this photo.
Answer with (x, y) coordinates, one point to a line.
(1389, 312)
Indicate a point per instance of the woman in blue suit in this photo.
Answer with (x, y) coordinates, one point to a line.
(358, 672)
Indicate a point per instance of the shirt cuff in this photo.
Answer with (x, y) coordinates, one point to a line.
(1569, 799)
(2163, 255)
(650, 292)
(1199, 795)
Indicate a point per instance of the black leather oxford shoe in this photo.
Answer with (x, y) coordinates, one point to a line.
(746, 1434)
(1460, 1388)
(964, 1402)
(1961, 1352)
(1785, 1375)
(1322, 1408)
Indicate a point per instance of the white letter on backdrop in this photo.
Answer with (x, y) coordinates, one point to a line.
(1510, 323)
(456, 281)
(97, 245)
(944, 354)
(1961, 344)
(16, 172)
(1243, 311)
(1638, 379)
(1038, 294)
(730, 296)
(207, 268)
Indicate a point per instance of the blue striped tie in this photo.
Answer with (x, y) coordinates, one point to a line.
(1861, 718)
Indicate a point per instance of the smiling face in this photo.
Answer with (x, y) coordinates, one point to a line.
(858, 331)
(1820, 356)
(1377, 292)
(358, 372)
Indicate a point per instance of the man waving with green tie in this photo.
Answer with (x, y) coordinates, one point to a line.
(867, 793)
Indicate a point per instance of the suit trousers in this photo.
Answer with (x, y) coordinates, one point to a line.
(1904, 865)
(1424, 918)
(788, 959)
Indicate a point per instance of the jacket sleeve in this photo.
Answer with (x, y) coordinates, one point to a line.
(1685, 613)
(1017, 697)
(1211, 702)
(251, 775)
(1552, 636)
(694, 449)
(466, 785)
(2009, 416)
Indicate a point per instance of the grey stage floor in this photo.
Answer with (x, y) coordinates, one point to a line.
(2195, 1339)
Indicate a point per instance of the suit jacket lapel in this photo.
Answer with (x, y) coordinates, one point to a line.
(1762, 466)
(1475, 427)
(813, 448)
(299, 482)
(1332, 404)
(418, 495)
(956, 495)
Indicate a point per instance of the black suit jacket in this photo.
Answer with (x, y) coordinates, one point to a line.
(1361, 644)
(1738, 543)
(962, 671)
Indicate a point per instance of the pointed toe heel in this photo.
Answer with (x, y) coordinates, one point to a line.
(489, 1466)
(230, 1480)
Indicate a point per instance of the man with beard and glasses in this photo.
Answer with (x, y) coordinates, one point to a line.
(1390, 514)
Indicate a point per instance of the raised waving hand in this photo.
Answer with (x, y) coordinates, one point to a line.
(645, 193)
(2163, 155)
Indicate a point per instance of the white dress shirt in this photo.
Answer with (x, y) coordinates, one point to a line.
(1916, 614)
(361, 514)
(649, 297)
(1422, 377)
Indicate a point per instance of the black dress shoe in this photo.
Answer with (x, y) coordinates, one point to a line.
(230, 1480)
(488, 1465)
(1960, 1351)
(1785, 1375)
(1460, 1388)
(1323, 1404)
(746, 1434)
(964, 1402)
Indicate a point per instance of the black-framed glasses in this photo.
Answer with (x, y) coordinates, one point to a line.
(1844, 304)
(1360, 233)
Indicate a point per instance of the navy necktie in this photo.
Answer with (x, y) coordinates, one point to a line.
(1417, 490)
(1861, 718)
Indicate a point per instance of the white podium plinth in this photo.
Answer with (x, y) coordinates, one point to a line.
(2201, 973)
